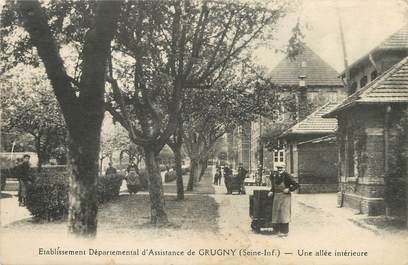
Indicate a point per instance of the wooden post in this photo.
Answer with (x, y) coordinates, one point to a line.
(343, 46)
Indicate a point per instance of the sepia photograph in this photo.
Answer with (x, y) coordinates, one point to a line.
(204, 132)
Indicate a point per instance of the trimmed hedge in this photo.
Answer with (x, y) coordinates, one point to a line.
(2, 182)
(47, 197)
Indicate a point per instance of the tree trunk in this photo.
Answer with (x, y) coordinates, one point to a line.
(100, 164)
(157, 215)
(203, 167)
(179, 172)
(83, 190)
(39, 153)
(121, 157)
(193, 174)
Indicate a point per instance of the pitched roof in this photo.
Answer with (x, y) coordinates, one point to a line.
(390, 87)
(317, 71)
(396, 41)
(314, 123)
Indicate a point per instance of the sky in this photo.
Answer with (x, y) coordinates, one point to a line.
(365, 22)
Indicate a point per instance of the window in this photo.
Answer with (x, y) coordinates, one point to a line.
(374, 75)
(363, 81)
(281, 156)
(276, 156)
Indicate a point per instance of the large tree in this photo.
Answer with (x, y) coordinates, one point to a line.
(89, 27)
(164, 48)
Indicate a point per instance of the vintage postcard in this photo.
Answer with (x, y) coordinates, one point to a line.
(204, 132)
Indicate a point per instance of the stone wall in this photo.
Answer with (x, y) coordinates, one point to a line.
(365, 191)
(318, 188)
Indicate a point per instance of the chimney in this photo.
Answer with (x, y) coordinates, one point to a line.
(302, 104)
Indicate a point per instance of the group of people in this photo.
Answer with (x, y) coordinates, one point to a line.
(227, 174)
(132, 177)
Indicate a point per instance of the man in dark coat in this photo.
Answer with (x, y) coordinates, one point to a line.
(242, 173)
(227, 178)
(24, 179)
(217, 176)
(282, 185)
(110, 170)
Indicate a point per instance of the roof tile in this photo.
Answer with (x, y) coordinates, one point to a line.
(314, 123)
(390, 87)
(317, 71)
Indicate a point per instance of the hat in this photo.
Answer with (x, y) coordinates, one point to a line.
(280, 166)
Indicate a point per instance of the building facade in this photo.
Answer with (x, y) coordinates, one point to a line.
(369, 141)
(368, 125)
(311, 153)
(311, 82)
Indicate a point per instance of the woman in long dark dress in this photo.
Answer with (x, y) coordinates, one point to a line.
(133, 179)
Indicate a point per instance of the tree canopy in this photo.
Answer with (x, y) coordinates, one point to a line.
(29, 106)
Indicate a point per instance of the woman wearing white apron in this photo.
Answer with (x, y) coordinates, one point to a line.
(282, 185)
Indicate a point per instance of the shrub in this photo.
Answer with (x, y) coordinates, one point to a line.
(47, 197)
(109, 187)
(144, 179)
(3, 181)
(170, 176)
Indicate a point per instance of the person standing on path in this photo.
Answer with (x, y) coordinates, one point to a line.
(282, 185)
(227, 178)
(133, 178)
(217, 176)
(24, 179)
(110, 170)
(242, 173)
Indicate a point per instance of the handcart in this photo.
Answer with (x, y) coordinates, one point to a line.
(234, 184)
(260, 210)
